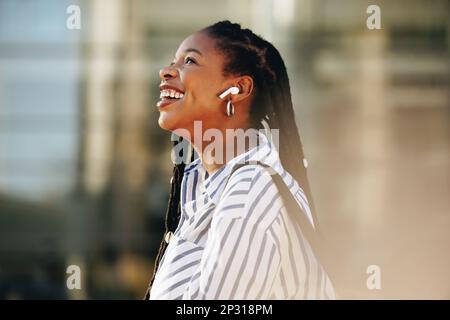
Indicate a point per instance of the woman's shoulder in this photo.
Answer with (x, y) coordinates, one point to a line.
(246, 178)
(251, 194)
(250, 175)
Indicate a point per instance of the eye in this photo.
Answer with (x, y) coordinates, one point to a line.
(189, 60)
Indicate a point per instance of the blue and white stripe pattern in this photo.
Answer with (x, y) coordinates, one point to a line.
(238, 241)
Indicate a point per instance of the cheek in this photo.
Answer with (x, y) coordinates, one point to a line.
(202, 98)
(200, 102)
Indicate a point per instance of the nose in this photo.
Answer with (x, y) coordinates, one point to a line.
(167, 73)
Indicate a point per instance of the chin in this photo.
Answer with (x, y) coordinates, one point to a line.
(170, 122)
(171, 116)
(165, 122)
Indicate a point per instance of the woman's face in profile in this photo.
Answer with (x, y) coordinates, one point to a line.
(191, 84)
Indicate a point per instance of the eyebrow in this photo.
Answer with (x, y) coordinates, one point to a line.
(192, 50)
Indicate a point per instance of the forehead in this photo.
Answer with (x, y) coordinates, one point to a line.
(202, 42)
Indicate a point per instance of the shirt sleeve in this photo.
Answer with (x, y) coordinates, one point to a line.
(241, 258)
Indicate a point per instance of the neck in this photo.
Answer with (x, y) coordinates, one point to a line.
(222, 147)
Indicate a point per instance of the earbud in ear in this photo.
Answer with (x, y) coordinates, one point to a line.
(232, 90)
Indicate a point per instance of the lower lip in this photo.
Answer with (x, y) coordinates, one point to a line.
(166, 102)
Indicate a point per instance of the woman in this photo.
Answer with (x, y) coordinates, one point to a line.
(228, 233)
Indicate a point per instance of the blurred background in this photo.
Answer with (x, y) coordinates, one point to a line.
(85, 168)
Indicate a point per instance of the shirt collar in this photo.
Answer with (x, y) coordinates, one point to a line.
(214, 184)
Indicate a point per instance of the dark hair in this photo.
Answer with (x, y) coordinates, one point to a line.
(248, 54)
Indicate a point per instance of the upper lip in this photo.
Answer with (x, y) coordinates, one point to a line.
(165, 86)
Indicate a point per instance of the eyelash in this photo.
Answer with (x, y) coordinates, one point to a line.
(185, 61)
(189, 59)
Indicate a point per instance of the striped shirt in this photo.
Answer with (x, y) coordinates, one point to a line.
(235, 239)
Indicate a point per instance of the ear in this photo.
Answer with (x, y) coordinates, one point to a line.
(245, 85)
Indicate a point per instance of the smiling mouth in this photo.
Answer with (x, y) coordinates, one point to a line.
(169, 96)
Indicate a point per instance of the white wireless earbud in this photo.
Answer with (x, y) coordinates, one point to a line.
(232, 90)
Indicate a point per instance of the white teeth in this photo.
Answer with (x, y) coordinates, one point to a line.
(170, 93)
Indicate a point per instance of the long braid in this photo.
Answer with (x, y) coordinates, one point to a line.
(291, 150)
(173, 212)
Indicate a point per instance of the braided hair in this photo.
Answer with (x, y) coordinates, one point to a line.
(248, 54)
